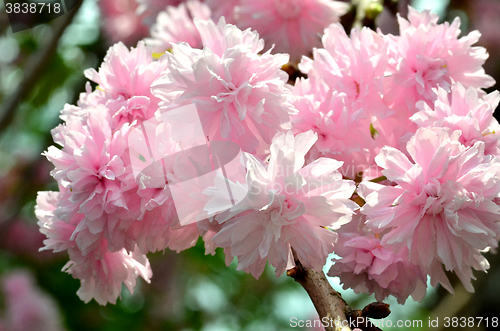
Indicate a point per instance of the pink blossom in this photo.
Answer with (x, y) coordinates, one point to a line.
(101, 272)
(175, 24)
(292, 26)
(125, 77)
(93, 165)
(464, 110)
(442, 206)
(342, 133)
(353, 65)
(91, 168)
(57, 231)
(327, 113)
(201, 142)
(101, 279)
(368, 266)
(240, 95)
(98, 215)
(427, 54)
(287, 207)
(339, 97)
(27, 307)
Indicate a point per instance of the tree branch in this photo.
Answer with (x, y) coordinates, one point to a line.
(329, 304)
(334, 313)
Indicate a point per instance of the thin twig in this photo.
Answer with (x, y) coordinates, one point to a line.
(36, 65)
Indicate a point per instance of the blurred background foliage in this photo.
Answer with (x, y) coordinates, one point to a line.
(189, 291)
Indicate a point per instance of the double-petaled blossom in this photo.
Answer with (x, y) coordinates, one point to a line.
(288, 207)
(427, 55)
(101, 278)
(175, 24)
(105, 215)
(124, 80)
(240, 95)
(368, 266)
(100, 271)
(353, 65)
(91, 170)
(342, 92)
(342, 133)
(464, 110)
(292, 26)
(442, 206)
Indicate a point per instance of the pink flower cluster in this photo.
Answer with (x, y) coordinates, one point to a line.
(387, 154)
(288, 26)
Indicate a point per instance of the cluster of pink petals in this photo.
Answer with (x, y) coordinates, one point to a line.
(407, 107)
(288, 207)
(341, 94)
(101, 278)
(442, 206)
(292, 26)
(90, 170)
(124, 79)
(368, 266)
(27, 308)
(106, 215)
(101, 272)
(351, 65)
(428, 54)
(240, 95)
(101, 215)
(287, 26)
(175, 24)
(466, 111)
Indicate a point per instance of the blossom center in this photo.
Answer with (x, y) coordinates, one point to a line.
(429, 73)
(288, 9)
(435, 197)
(237, 96)
(284, 210)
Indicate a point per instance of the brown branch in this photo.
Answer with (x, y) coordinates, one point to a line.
(36, 65)
(334, 313)
(329, 304)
